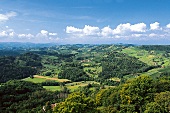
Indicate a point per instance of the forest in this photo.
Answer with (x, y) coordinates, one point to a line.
(123, 78)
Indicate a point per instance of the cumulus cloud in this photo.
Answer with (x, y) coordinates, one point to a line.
(152, 35)
(140, 27)
(106, 31)
(25, 35)
(154, 26)
(168, 25)
(86, 31)
(53, 34)
(137, 35)
(71, 29)
(7, 33)
(120, 31)
(44, 32)
(124, 28)
(43, 36)
(121, 28)
(91, 34)
(90, 30)
(125, 31)
(7, 16)
(12, 34)
(3, 34)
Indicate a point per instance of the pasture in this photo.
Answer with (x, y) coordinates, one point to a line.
(71, 86)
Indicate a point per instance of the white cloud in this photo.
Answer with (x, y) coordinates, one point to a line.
(121, 28)
(53, 34)
(154, 26)
(21, 35)
(71, 29)
(12, 34)
(126, 31)
(106, 31)
(124, 28)
(152, 35)
(90, 30)
(168, 25)
(137, 35)
(3, 34)
(7, 16)
(140, 27)
(7, 33)
(44, 32)
(30, 35)
(86, 31)
(120, 33)
(42, 37)
(25, 35)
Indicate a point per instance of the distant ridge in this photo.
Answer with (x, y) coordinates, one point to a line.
(24, 45)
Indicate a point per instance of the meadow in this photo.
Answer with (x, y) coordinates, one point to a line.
(71, 86)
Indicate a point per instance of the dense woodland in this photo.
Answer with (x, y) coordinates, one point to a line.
(107, 78)
(156, 47)
(19, 67)
(74, 74)
(119, 64)
(22, 97)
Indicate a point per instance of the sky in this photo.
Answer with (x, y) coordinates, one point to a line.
(85, 21)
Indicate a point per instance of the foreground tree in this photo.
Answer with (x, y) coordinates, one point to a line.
(137, 93)
(76, 103)
(161, 103)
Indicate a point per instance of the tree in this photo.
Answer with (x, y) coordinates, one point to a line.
(74, 74)
(109, 109)
(76, 103)
(48, 108)
(161, 103)
(137, 93)
(153, 107)
(48, 73)
(163, 99)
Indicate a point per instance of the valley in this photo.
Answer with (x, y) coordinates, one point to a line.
(91, 70)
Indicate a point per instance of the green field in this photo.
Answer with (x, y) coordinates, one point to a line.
(94, 71)
(71, 86)
(52, 88)
(143, 55)
(75, 85)
(35, 80)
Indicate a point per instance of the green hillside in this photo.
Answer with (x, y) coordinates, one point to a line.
(108, 78)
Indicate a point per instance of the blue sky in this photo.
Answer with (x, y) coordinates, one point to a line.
(85, 21)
